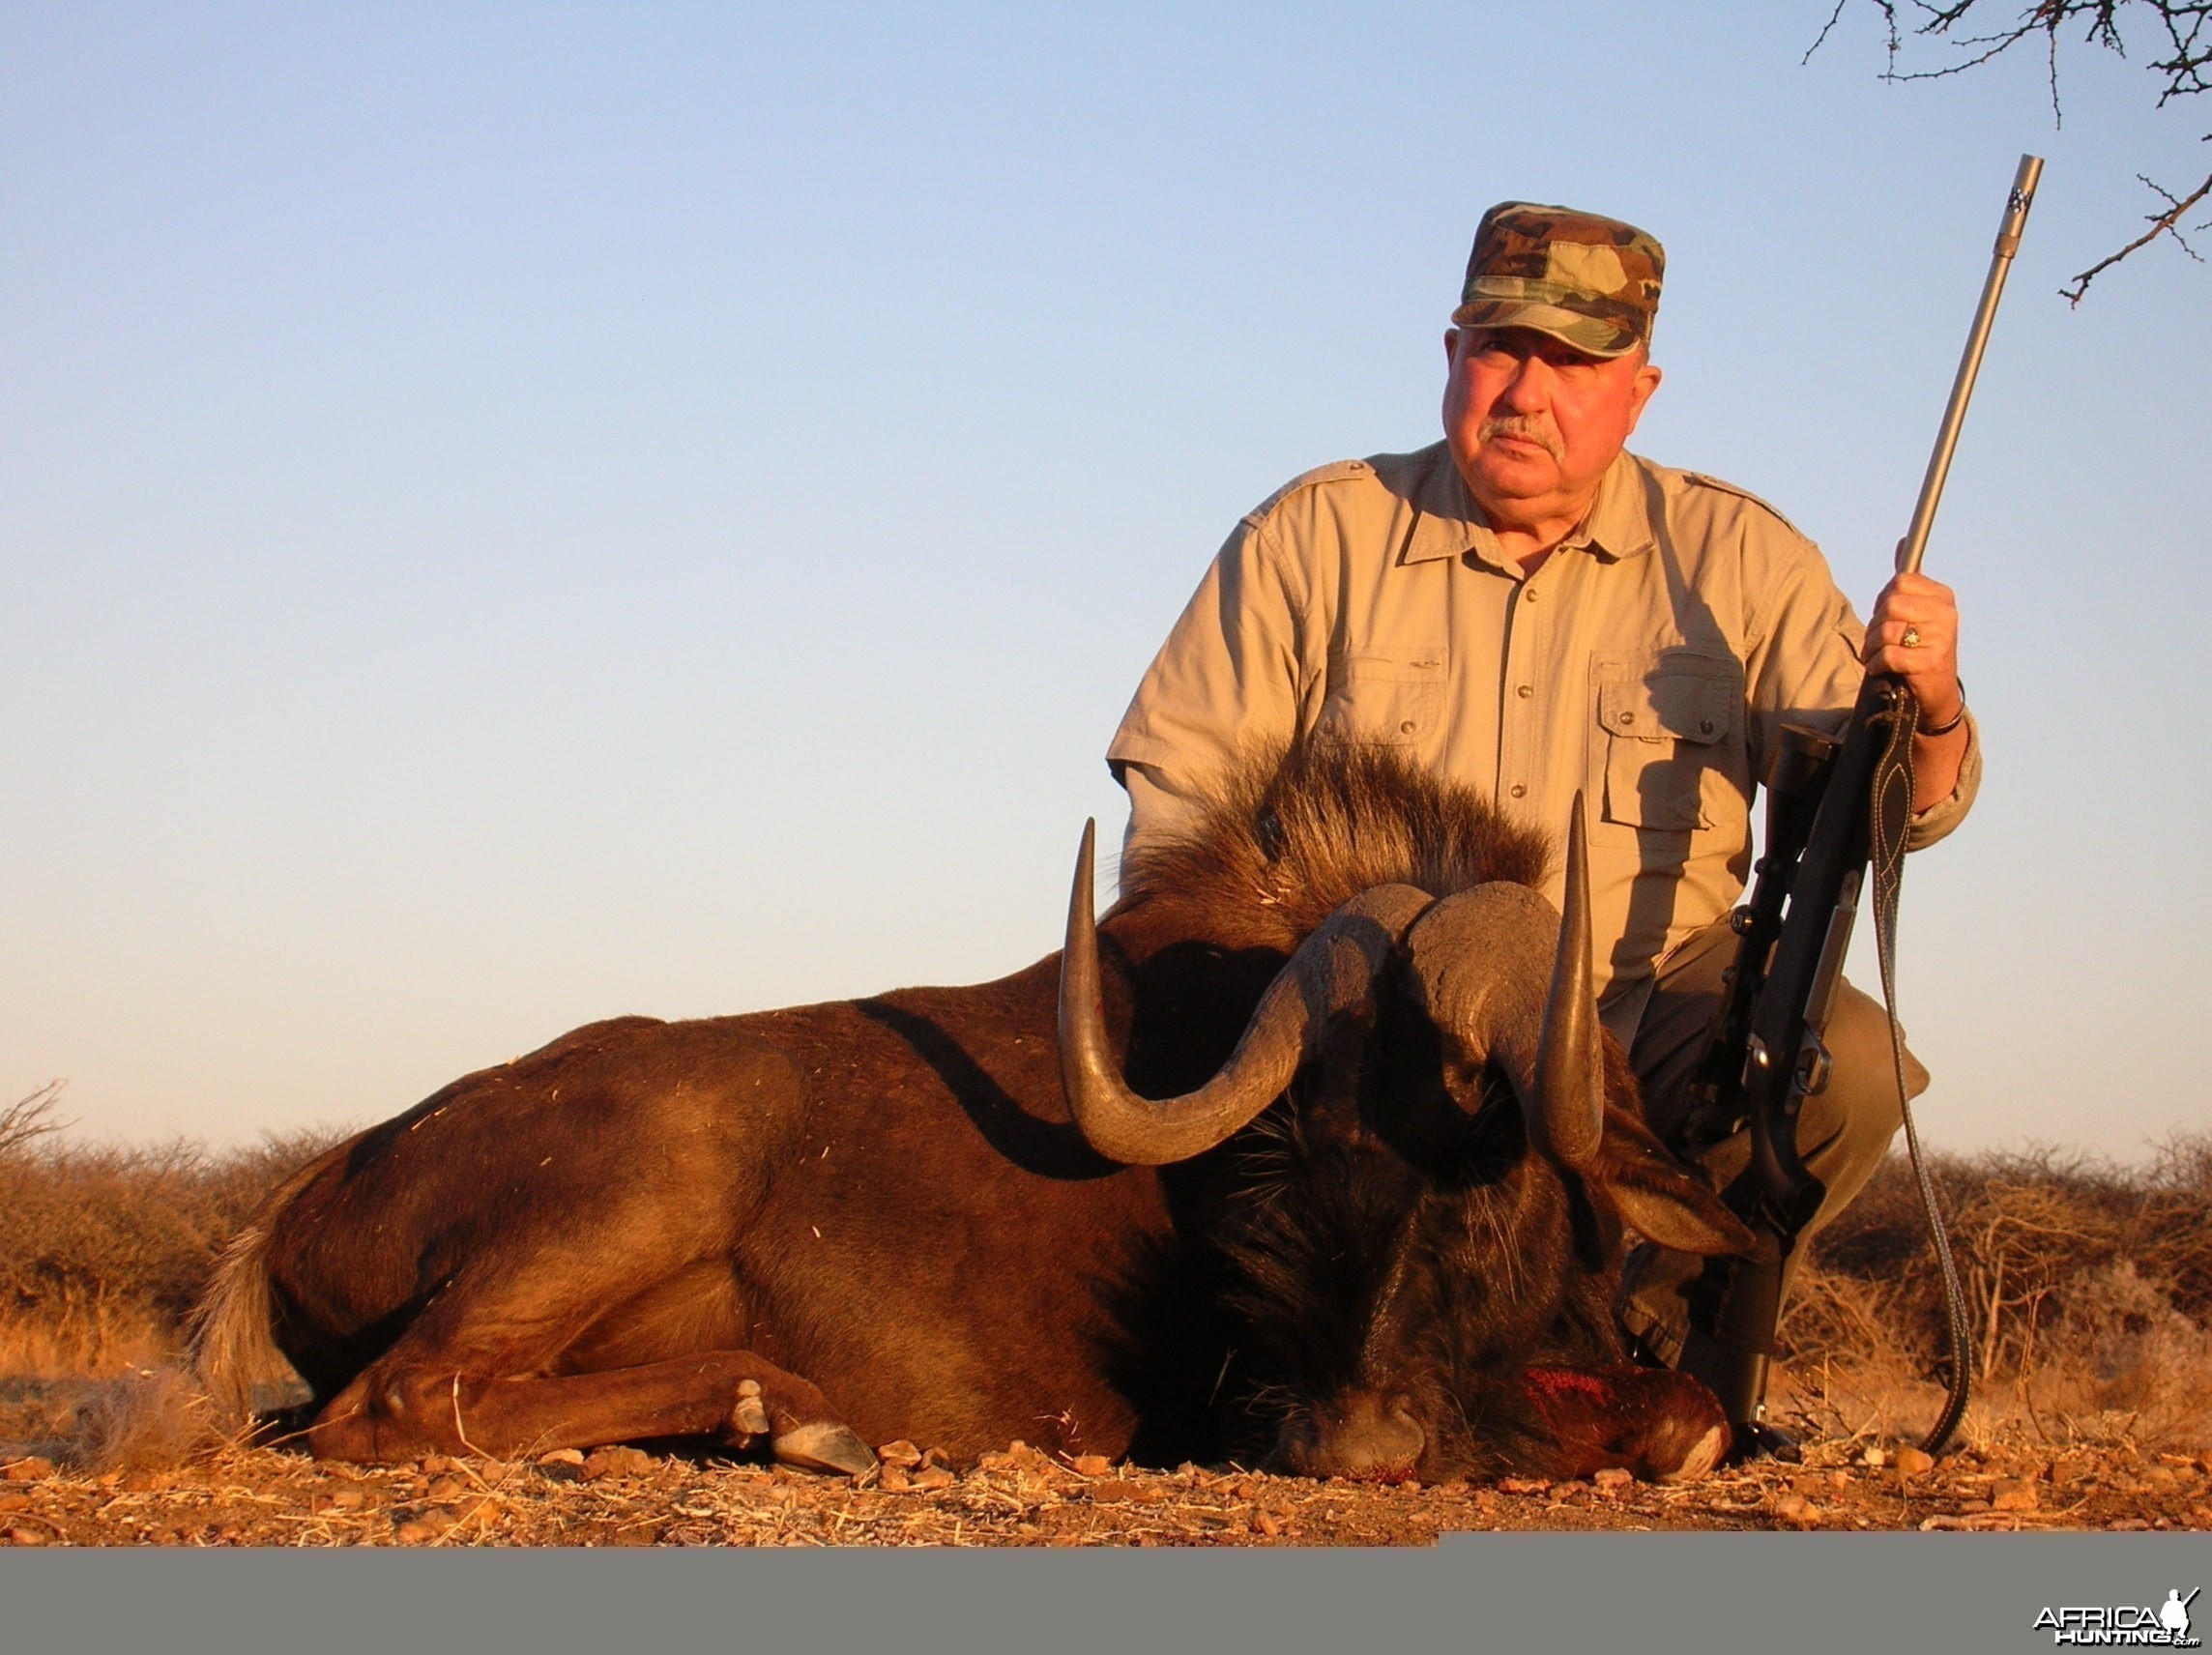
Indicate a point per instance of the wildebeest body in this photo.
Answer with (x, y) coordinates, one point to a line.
(804, 1184)
(881, 1217)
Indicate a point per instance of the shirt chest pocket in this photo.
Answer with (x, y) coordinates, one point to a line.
(1663, 743)
(1384, 695)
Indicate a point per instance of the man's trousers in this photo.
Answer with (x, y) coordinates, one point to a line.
(1843, 1132)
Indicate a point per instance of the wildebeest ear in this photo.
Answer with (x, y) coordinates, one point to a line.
(1661, 1199)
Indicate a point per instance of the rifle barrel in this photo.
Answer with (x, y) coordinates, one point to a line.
(1915, 541)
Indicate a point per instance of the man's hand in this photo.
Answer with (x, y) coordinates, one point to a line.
(1914, 634)
(1925, 610)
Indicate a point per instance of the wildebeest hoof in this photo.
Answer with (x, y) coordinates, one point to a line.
(1704, 1454)
(824, 1446)
(750, 1414)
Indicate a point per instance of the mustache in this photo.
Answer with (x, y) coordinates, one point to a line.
(1530, 429)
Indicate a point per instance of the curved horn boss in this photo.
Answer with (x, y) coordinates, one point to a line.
(1478, 956)
(1333, 970)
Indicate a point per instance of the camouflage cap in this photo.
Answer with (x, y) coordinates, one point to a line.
(1589, 283)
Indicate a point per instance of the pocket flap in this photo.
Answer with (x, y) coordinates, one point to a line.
(1396, 663)
(1389, 694)
(1668, 705)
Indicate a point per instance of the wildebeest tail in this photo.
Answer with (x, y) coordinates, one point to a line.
(231, 1341)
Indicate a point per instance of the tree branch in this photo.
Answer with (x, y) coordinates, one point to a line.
(2166, 223)
(2186, 24)
(1821, 38)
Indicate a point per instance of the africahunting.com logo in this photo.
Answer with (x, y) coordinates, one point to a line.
(2115, 1626)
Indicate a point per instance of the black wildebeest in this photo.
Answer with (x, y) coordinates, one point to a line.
(1313, 1150)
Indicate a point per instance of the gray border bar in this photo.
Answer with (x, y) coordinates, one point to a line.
(1808, 1593)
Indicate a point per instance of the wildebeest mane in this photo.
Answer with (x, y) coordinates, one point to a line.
(1277, 846)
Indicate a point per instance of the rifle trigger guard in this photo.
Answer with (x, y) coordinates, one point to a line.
(1814, 1067)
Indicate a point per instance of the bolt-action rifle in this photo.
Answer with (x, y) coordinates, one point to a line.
(1837, 807)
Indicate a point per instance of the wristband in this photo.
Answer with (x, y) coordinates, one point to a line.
(1933, 731)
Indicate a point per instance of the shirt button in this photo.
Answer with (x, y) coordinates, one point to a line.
(1525, 691)
(1518, 791)
(1627, 718)
(1707, 727)
(1530, 597)
(1406, 728)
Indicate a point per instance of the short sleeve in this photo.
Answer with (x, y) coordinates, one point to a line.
(1229, 678)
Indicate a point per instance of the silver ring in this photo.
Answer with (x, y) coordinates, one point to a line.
(1912, 638)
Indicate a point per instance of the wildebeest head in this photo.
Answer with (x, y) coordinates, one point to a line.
(1440, 1198)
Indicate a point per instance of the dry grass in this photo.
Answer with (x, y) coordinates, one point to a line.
(103, 1249)
(2088, 1288)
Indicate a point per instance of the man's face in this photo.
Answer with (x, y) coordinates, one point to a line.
(1533, 422)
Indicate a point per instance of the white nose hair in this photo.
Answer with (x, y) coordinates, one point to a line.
(1367, 1436)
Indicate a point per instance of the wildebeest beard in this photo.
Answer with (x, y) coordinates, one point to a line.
(1397, 1261)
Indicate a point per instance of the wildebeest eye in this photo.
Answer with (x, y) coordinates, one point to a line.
(1268, 830)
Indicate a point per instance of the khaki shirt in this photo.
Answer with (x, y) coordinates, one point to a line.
(1649, 662)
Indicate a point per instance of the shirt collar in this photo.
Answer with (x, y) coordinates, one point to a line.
(1449, 524)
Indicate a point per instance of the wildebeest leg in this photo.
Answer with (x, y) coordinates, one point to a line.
(1664, 1427)
(402, 1409)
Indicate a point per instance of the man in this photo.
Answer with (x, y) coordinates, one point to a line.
(1530, 608)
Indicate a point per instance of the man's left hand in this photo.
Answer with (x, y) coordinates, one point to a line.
(1914, 634)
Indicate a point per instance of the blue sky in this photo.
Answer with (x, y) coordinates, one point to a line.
(516, 515)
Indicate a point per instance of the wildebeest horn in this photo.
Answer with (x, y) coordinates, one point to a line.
(1333, 969)
(1512, 982)
(1570, 1062)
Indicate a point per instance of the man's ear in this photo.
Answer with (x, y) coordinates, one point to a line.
(1451, 347)
(1646, 381)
